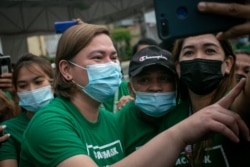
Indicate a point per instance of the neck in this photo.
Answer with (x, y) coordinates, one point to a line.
(88, 107)
(200, 101)
(148, 119)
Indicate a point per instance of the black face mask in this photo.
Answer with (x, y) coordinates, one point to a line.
(200, 75)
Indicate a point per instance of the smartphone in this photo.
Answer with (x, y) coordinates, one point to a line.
(181, 18)
(61, 26)
(5, 64)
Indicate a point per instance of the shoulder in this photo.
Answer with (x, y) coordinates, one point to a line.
(179, 113)
(19, 120)
(128, 110)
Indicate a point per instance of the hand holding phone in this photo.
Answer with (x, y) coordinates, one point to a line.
(177, 19)
(241, 11)
(5, 64)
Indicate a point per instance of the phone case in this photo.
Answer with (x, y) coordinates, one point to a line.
(5, 64)
(181, 18)
(62, 26)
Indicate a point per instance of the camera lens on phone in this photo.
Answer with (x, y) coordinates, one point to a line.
(181, 12)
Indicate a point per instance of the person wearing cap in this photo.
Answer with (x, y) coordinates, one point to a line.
(152, 83)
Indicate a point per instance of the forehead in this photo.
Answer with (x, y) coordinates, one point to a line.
(241, 56)
(201, 40)
(30, 71)
(102, 41)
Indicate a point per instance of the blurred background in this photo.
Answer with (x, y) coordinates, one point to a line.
(28, 25)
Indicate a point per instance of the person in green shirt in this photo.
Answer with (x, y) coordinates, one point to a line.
(32, 79)
(121, 96)
(152, 83)
(205, 66)
(72, 130)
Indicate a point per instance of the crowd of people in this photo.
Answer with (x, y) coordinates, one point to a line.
(185, 107)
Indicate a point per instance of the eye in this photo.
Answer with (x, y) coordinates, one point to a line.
(143, 80)
(210, 51)
(97, 57)
(114, 57)
(166, 79)
(188, 53)
(21, 86)
(39, 82)
(247, 70)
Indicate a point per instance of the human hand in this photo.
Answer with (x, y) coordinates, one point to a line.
(79, 21)
(230, 9)
(123, 100)
(4, 137)
(6, 82)
(215, 118)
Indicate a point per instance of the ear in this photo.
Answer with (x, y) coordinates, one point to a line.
(228, 64)
(65, 69)
(131, 92)
(178, 69)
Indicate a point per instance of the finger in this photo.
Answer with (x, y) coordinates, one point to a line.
(227, 100)
(4, 137)
(229, 9)
(6, 75)
(235, 31)
(224, 130)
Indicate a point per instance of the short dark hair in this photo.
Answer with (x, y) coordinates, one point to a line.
(143, 41)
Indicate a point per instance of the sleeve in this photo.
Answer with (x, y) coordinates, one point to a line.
(51, 138)
(8, 149)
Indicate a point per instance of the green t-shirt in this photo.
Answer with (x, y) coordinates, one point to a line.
(123, 90)
(10, 149)
(221, 152)
(136, 131)
(59, 131)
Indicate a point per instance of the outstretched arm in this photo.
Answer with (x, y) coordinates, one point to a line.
(164, 149)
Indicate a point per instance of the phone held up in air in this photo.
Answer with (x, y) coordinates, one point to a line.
(61, 26)
(5, 64)
(181, 18)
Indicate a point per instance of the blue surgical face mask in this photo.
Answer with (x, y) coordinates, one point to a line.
(104, 80)
(35, 99)
(155, 104)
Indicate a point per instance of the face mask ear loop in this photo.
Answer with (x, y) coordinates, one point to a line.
(77, 65)
(82, 87)
(132, 86)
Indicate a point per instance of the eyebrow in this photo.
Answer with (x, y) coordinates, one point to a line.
(102, 52)
(206, 45)
(37, 77)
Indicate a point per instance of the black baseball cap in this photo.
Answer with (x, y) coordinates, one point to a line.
(151, 55)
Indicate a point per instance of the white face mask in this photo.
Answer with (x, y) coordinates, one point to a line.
(104, 80)
(35, 99)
